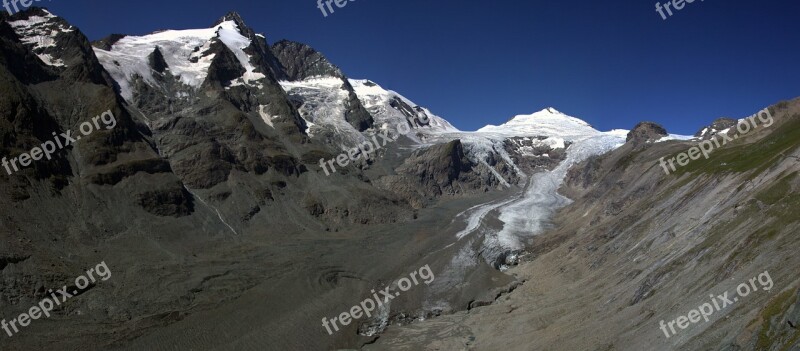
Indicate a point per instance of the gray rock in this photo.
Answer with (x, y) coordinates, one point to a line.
(645, 132)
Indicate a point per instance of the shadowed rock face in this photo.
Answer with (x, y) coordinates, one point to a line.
(107, 42)
(156, 61)
(224, 68)
(439, 170)
(64, 97)
(646, 132)
(300, 61)
(183, 171)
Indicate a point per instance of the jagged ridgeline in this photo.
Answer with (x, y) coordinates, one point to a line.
(207, 201)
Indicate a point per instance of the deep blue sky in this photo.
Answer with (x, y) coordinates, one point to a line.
(611, 63)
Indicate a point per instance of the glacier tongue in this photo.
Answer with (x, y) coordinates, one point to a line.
(527, 216)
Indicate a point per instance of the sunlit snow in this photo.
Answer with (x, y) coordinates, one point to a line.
(128, 56)
(39, 32)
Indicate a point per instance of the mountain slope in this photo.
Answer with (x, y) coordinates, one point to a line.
(638, 246)
(208, 202)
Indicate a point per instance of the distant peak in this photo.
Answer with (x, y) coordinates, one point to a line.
(32, 11)
(232, 16)
(551, 110)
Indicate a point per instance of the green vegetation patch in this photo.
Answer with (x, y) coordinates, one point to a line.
(774, 309)
(777, 191)
(756, 157)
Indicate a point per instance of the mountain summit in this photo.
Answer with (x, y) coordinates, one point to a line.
(549, 121)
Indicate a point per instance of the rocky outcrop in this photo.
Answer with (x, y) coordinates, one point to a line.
(259, 49)
(645, 132)
(300, 61)
(156, 61)
(717, 126)
(225, 67)
(107, 42)
(533, 155)
(172, 201)
(439, 170)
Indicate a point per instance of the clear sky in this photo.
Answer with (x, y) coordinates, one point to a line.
(610, 63)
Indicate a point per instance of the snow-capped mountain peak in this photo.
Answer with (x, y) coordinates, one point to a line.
(186, 53)
(547, 122)
(390, 108)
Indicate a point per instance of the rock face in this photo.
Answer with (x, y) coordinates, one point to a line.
(157, 62)
(439, 170)
(645, 132)
(299, 61)
(535, 154)
(717, 126)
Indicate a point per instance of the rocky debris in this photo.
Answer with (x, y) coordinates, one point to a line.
(182, 168)
(586, 176)
(794, 317)
(6, 260)
(776, 325)
(717, 126)
(638, 246)
(646, 132)
(115, 173)
(532, 154)
(439, 170)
